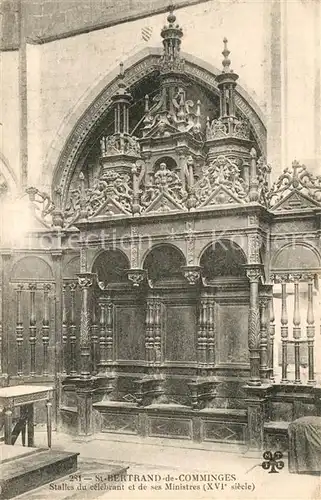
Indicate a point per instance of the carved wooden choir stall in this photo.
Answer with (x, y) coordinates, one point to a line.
(159, 287)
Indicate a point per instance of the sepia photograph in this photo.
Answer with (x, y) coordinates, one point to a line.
(160, 249)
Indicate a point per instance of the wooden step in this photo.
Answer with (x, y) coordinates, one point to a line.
(22, 474)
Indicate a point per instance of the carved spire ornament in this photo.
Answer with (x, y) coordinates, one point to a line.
(205, 162)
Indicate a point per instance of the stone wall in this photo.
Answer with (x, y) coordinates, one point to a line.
(48, 20)
(66, 72)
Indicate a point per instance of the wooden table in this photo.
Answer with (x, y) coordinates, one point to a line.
(24, 396)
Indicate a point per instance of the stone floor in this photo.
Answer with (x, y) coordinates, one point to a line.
(167, 469)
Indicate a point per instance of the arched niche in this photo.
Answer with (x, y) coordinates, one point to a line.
(296, 256)
(71, 267)
(31, 268)
(168, 160)
(163, 263)
(111, 266)
(77, 143)
(223, 259)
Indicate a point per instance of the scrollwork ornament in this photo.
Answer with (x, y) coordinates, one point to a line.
(192, 274)
(85, 280)
(136, 276)
(254, 274)
(254, 248)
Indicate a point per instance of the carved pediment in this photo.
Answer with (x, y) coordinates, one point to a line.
(162, 128)
(164, 202)
(295, 200)
(111, 207)
(295, 188)
(221, 196)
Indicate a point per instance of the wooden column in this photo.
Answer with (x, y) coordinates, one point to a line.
(263, 338)
(297, 330)
(202, 336)
(149, 332)
(1, 329)
(85, 281)
(157, 330)
(45, 327)
(32, 328)
(94, 339)
(102, 337)
(6, 313)
(310, 333)
(58, 289)
(110, 332)
(72, 329)
(284, 332)
(272, 336)
(254, 274)
(64, 333)
(211, 334)
(19, 331)
(106, 335)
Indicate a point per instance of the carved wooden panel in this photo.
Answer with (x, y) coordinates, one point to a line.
(282, 411)
(224, 432)
(170, 427)
(130, 332)
(122, 423)
(232, 333)
(181, 332)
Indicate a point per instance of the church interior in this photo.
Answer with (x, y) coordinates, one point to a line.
(160, 240)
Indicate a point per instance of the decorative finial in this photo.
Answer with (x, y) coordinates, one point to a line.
(226, 61)
(171, 16)
(121, 69)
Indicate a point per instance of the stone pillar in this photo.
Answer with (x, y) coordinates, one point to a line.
(254, 272)
(85, 281)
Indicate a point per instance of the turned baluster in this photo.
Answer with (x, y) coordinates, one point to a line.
(109, 333)
(296, 332)
(202, 335)
(152, 332)
(45, 327)
(32, 328)
(157, 339)
(272, 336)
(19, 332)
(149, 332)
(284, 332)
(72, 326)
(1, 347)
(94, 340)
(310, 329)
(64, 332)
(263, 338)
(211, 339)
(102, 338)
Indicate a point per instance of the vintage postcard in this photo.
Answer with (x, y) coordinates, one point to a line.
(160, 249)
